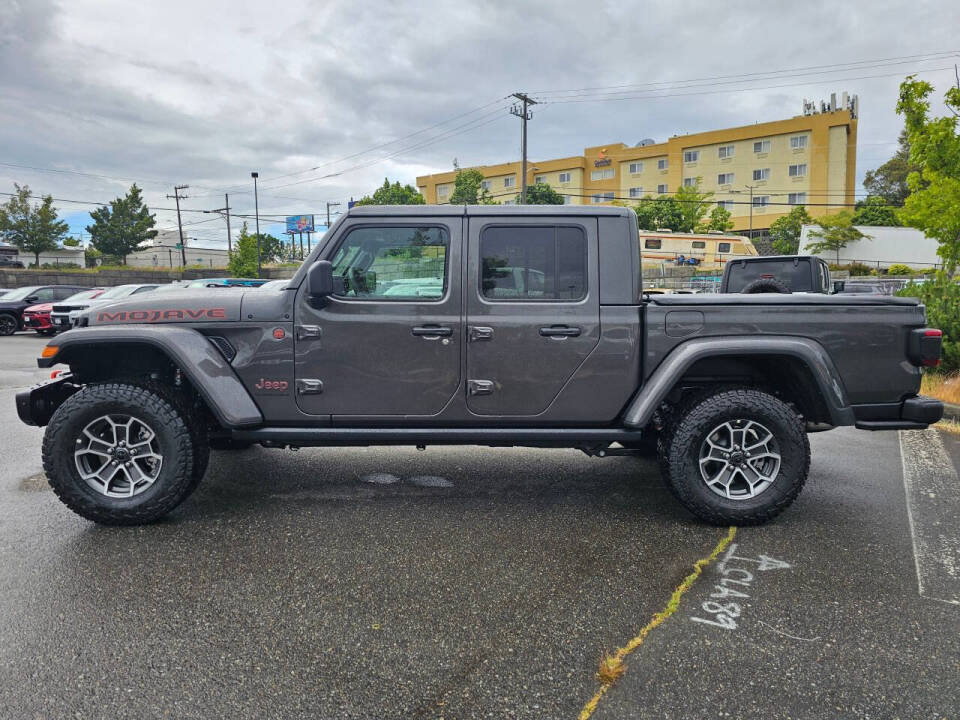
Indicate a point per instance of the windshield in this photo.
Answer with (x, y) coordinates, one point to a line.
(83, 295)
(21, 293)
(118, 292)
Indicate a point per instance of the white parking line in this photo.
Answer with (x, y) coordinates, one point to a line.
(933, 508)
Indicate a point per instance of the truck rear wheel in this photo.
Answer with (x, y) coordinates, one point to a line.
(737, 457)
(120, 454)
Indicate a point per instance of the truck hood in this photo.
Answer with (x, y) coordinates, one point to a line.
(187, 306)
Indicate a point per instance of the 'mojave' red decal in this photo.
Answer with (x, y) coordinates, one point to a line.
(162, 315)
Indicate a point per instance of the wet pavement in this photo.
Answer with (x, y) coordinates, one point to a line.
(465, 582)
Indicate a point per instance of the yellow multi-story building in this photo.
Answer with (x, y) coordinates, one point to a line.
(757, 172)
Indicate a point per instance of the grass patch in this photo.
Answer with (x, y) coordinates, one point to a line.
(950, 426)
(944, 387)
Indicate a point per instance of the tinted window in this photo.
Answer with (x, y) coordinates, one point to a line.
(533, 263)
(797, 276)
(43, 295)
(723, 247)
(652, 243)
(393, 263)
(62, 293)
(699, 244)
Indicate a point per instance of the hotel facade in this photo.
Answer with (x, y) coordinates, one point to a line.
(757, 172)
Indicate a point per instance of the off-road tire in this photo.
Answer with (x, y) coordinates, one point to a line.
(8, 324)
(681, 456)
(225, 443)
(766, 285)
(176, 479)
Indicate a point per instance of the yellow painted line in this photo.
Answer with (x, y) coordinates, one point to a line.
(612, 667)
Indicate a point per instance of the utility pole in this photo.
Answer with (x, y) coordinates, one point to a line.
(329, 205)
(226, 213)
(751, 187)
(178, 197)
(256, 214)
(524, 115)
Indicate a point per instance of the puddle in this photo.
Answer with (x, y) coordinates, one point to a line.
(380, 479)
(429, 481)
(35, 483)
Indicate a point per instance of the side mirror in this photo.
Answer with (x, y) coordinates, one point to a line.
(839, 285)
(320, 279)
(32, 298)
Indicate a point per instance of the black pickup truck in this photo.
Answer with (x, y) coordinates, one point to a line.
(481, 325)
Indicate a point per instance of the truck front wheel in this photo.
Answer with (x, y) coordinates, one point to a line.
(120, 454)
(737, 457)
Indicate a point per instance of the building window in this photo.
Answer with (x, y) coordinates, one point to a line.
(533, 263)
(652, 243)
(636, 168)
(798, 171)
(725, 204)
(604, 174)
(602, 197)
(540, 179)
(691, 156)
(636, 192)
(699, 245)
(563, 177)
(797, 198)
(509, 181)
(723, 247)
(374, 258)
(798, 142)
(662, 164)
(443, 190)
(689, 182)
(762, 174)
(761, 146)
(662, 189)
(725, 179)
(486, 184)
(725, 151)
(761, 200)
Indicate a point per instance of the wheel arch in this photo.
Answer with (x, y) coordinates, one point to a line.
(109, 353)
(799, 369)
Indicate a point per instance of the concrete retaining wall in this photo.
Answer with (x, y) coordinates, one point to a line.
(10, 278)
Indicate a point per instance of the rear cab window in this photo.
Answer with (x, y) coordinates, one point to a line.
(796, 276)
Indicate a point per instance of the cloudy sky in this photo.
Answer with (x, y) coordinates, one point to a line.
(325, 99)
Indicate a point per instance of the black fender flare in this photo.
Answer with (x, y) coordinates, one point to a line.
(811, 353)
(196, 357)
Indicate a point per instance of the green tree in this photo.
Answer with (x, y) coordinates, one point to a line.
(835, 233)
(468, 189)
(542, 194)
(941, 296)
(875, 210)
(933, 204)
(395, 194)
(70, 242)
(271, 249)
(889, 181)
(719, 220)
(785, 231)
(123, 227)
(243, 261)
(658, 213)
(31, 228)
(694, 204)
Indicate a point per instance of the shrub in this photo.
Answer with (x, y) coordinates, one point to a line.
(941, 295)
(857, 269)
(899, 269)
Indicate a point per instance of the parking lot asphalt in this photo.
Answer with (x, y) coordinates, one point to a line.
(464, 582)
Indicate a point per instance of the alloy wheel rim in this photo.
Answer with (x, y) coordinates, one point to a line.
(118, 455)
(739, 459)
(8, 325)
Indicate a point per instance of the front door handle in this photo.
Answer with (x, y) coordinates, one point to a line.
(432, 331)
(560, 331)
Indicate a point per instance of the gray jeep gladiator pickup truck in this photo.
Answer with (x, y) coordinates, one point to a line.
(497, 326)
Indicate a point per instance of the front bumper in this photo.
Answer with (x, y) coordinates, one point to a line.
(37, 322)
(915, 413)
(36, 405)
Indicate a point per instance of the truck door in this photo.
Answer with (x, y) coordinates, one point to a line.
(533, 313)
(389, 343)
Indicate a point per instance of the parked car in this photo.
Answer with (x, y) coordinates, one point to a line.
(226, 282)
(37, 317)
(60, 315)
(16, 301)
(862, 288)
(10, 262)
(727, 386)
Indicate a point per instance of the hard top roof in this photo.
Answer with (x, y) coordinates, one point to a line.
(486, 210)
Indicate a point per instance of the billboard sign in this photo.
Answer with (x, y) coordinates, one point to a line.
(300, 223)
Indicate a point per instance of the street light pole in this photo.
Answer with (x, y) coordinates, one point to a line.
(330, 205)
(256, 215)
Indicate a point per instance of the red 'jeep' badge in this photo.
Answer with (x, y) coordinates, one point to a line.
(265, 384)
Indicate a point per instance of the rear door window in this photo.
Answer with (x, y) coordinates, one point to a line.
(797, 276)
(545, 263)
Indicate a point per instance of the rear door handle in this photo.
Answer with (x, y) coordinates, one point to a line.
(560, 331)
(430, 331)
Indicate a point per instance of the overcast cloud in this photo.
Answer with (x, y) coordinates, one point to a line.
(201, 93)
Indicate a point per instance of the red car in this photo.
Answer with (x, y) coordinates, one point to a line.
(37, 317)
